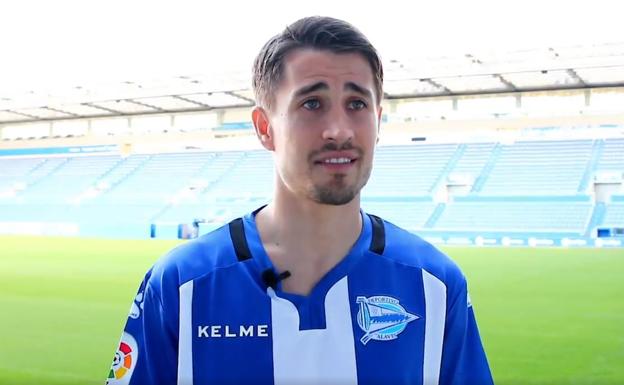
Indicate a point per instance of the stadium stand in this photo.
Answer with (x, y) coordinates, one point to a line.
(614, 212)
(611, 157)
(538, 168)
(412, 214)
(528, 215)
(408, 170)
(526, 188)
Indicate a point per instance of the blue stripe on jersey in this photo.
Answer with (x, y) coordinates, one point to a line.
(231, 328)
(400, 359)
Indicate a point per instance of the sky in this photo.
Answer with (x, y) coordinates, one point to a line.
(65, 43)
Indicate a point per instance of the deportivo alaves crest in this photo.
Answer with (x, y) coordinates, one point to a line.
(137, 306)
(382, 318)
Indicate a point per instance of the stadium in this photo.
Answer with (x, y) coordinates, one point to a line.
(511, 161)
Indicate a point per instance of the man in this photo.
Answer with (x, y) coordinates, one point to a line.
(308, 289)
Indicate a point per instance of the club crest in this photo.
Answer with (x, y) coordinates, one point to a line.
(382, 318)
(137, 306)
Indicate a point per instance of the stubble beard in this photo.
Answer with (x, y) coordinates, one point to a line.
(337, 192)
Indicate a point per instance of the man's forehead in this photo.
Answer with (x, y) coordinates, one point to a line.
(311, 66)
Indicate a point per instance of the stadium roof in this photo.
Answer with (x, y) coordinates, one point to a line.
(73, 59)
(476, 73)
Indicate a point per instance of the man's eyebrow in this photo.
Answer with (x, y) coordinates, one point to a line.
(311, 88)
(350, 86)
(360, 90)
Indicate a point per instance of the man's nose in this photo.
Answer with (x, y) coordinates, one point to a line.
(338, 127)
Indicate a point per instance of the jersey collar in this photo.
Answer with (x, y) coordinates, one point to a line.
(262, 262)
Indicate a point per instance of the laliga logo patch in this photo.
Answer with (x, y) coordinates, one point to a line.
(137, 306)
(382, 318)
(124, 361)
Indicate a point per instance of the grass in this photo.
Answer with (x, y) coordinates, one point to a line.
(547, 316)
(64, 304)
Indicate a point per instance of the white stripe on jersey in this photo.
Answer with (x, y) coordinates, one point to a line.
(185, 344)
(316, 356)
(435, 308)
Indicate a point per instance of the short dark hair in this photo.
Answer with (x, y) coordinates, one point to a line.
(316, 32)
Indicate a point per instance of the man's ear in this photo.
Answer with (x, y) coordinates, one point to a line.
(379, 113)
(261, 123)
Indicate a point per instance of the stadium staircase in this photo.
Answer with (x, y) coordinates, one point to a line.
(36, 165)
(14, 171)
(591, 165)
(46, 169)
(252, 169)
(474, 159)
(435, 215)
(597, 217)
(487, 169)
(213, 172)
(457, 155)
(196, 203)
(123, 169)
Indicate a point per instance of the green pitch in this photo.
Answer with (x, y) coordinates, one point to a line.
(547, 316)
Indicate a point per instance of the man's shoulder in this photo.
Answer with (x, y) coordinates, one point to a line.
(410, 249)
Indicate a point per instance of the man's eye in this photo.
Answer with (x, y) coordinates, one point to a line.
(312, 104)
(357, 105)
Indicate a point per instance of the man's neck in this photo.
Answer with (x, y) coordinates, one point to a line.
(307, 238)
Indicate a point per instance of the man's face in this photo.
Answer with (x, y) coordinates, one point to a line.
(323, 125)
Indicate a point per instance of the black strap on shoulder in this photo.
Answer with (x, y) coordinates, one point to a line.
(378, 241)
(237, 233)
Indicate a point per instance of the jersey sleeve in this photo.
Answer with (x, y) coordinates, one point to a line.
(463, 358)
(147, 352)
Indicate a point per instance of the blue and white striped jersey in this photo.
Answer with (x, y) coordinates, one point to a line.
(395, 310)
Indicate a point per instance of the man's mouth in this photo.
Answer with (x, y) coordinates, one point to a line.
(337, 161)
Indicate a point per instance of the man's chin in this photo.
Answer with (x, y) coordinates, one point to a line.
(333, 196)
(336, 202)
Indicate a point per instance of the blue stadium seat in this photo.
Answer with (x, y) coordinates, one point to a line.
(527, 186)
